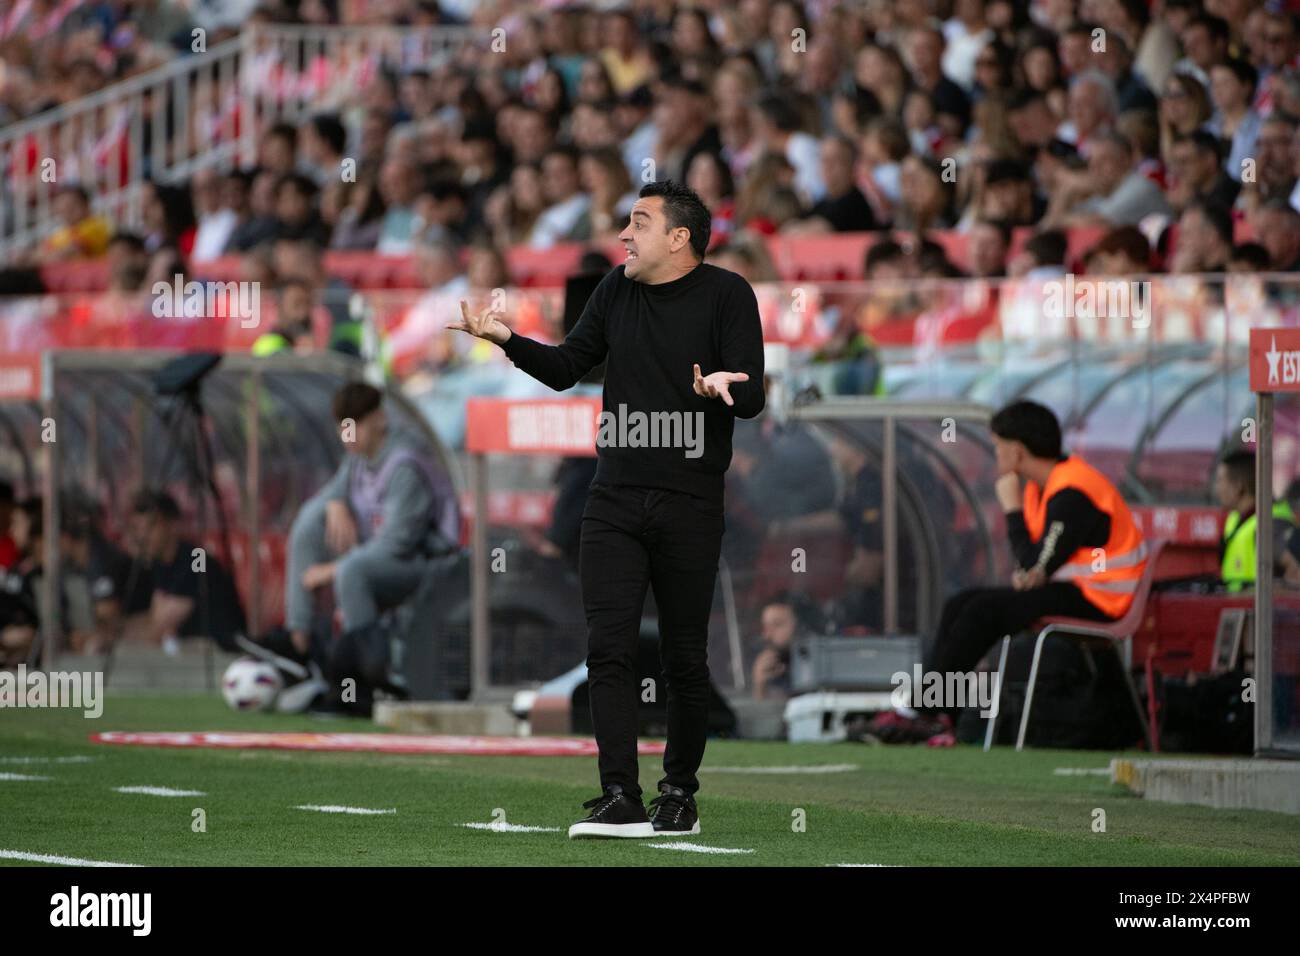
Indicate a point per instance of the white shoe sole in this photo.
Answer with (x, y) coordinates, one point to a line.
(611, 831)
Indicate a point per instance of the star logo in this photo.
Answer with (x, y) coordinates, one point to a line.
(1273, 355)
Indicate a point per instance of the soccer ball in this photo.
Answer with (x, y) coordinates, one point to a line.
(251, 684)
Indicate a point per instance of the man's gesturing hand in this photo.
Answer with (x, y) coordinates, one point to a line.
(486, 325)
(719, 383)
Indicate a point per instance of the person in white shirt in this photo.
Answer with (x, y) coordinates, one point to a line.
(566, 217)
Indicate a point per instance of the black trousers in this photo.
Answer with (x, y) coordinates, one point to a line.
(976, 619)
(634, 538)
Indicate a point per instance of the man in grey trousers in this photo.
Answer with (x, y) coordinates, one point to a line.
(375, 529)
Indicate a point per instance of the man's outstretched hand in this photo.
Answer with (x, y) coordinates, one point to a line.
(717, 384)
(486, 325)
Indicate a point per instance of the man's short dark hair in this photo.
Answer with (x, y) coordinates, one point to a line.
(1246, 74)
(130, 239)
(1217, 214)
(1203, 140)
(285, 131)
(1216, 27)
(683, 208)
(1251, 255)
(356, 400)
(1033, 425)
(886, 250)
(1240, 466)
(304, 186)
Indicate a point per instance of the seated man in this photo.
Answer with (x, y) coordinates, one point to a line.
(1078, 554)
(20, 617)
(118, 587)
(784, 620)
(193, 593)
(1234, 487)
(373, 531)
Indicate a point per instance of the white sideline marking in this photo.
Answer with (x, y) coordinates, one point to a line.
(811, 768)
(1082, 772)
(161, 791)
(329, 808)
(695, 848)
(47, 759)
(857, 864)
(61, 860)
(21, 776)
(503, 827)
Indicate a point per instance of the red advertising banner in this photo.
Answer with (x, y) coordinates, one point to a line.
(20, 376)
(565, 426)
(1275, 360)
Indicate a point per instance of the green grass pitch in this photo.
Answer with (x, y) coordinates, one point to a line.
(898, 806)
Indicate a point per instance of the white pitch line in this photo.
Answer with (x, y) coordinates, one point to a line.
(60, 860)
(21, 776)
(1082, 772)
(161, 791)
(26, 760)
(503, 827)
(328, 808)
(857, 864)
(695, 848)
(811, 768)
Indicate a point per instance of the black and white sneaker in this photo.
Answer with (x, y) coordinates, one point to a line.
(673, 812)
(613, 814)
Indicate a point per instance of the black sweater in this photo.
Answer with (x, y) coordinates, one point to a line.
(651, 336)
(1071, 522)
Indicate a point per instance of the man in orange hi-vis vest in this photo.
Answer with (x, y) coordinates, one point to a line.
(1077, 554)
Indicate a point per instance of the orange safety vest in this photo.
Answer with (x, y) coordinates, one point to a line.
(1124, 557)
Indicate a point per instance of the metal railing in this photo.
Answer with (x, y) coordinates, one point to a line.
(201, 111)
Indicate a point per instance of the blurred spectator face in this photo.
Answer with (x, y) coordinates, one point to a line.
(823, 67)
(532, 137)
(205, 187)
(690, 34)
(1198, 243)
(1010, 199)
(397, 183)
(778, 623)
(1109, 163)
(560, 176)
(549, 92)
(1227, 92)
(369, 434)
(704, 178)
(436, 265)
(276, 154)
(731, 94)
(526, 188)
(924, 50)
(1075, 50)
(1177, 107)
(1033, 125)
(1088, 107)
(618, 33)
(676, 116)
(1200, 47)
(295, 306)
(486, 269)
(593, 84)
(291, 206)
(297, 260)
(1279, 42)
(1040, 68)
(262, 199)
(836, 166)
(1254, 36)
(1278, 231)
(1273, 158)
(374, 133)
(1191, 173)
(987, 251)
(71, 207)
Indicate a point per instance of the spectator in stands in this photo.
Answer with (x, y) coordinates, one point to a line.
(1275, 160)
(278, 149)
(567, 216)
(1277, 229)
(1232, 87)
(1196, 172)
(119, 587)
(1041, 257)
(1204, 239)
(604, 178)
(924, 50)
(193, 592)
(301, 259)
(927, 196)
(1205, 42)
(1116, 61)
(1093, 108)
(780, 131)
(684, 127)
(257, 222)
(1031, 120)
(361, 220)
(623, 54)
(296, 216)
(1009, 194)
(1248, 258)
(321, 142)
(1184, 109)
(399, 185)
(1123, 251)
(1111, 191)
(990, 242)
(168, 216)
(216, 220)
(843, 208)
(82, 234)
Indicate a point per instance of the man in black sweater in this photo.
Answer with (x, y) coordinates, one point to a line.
(654, 516)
